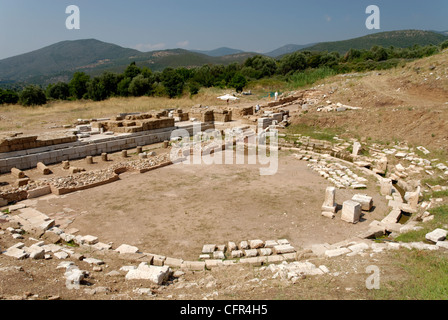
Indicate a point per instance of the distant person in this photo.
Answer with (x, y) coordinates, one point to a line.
(276, 95)
(257, 108)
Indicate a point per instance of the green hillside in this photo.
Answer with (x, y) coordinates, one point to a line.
(400, 39)
(58, 62)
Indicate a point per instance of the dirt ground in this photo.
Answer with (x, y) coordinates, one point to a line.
(174, 211)
(408, 104)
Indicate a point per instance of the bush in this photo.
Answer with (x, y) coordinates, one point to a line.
(59, 91)
(8, 97)
(238, 82)
(78, 85)
(140, 86)
(444, 45)
(173, 82)
(194, 87)
(96, 90)
(32, 96)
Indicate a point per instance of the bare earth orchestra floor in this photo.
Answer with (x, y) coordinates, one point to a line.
(175, 210)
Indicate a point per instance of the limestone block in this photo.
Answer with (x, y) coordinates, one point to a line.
(365, 201)
(124, 248)
(89, 239)
(22, 182)
(17, 173)
(236, 254)
(43, 168)
(172, 262)
(17, 253)
(250, 253)
(157, 275)
(218, 255)
(194, 265)
(243, 245)
(231, 246)
(93, 261)
(386, 187)
(326, 214)
(351, 211)
(336, 252)
(256, 244)
(270, 243)
(265, 251)
(158, 260)
(436, 235)
(282, 249)
(209, 248)
(330, 203)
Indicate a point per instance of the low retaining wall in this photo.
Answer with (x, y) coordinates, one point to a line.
(61, 191)
(81, 150)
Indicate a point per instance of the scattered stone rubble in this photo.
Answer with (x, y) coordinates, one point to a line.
(341, 176)
(270, 250)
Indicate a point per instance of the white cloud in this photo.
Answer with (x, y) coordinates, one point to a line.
(183, 44)
(149, 47)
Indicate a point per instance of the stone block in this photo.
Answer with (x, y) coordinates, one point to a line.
(330, 203)
(172, 262)
(89, 239)
(250, 253)
(22, 182)
(326, 214)
(158, 260)
(386, 187)
(243, 245)
(93, 261)
(265, 252)
(436, 235)
(282, 249)
(255, 261)
(17, 173)
(124, 248)
(365, 201)
(231, 246)
(213, 263)
(256, 244)
(209, 248)
(43, 169)
(351, 211)
(275, 259)
(236, 254)
(270, 244)
(16, 253)
(194, 265)
(336, 252)
(157, 275)
(218, 255)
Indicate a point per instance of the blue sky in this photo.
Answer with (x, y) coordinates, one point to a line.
(250, 25)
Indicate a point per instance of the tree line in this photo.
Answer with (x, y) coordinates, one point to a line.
(137, 82)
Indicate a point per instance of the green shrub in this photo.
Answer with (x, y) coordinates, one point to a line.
(32, 96)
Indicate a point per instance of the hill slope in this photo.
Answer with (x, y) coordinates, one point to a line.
(62, 56)
(401, 39)
(289, 48)
(59, 61)
(224, 51)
